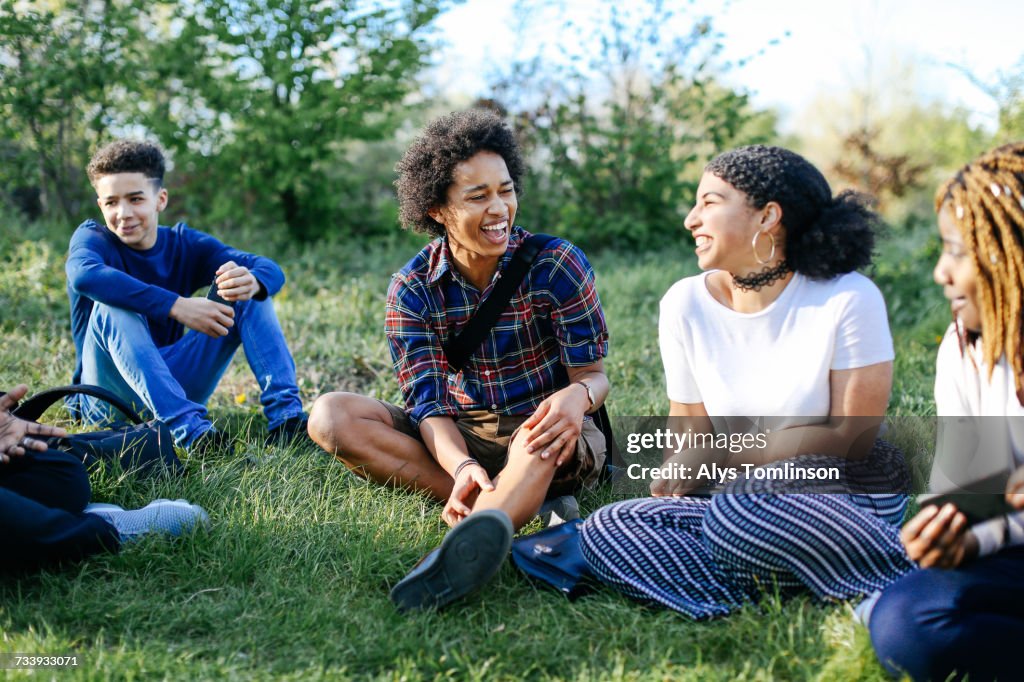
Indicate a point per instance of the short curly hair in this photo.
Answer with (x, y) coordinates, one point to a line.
(128, 156)
(426, 170)
(826, 236)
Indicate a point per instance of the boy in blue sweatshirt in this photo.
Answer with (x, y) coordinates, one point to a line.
(130, 285)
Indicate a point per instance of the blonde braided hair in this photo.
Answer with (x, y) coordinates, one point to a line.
(986, 200)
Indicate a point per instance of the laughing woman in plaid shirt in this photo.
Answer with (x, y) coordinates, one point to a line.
(518, 407)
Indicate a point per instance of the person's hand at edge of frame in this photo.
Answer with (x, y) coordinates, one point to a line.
(17, 436)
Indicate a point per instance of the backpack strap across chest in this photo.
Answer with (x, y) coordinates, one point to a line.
(459, 349)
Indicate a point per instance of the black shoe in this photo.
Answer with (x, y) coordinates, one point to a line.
(469, 556)
(212, 443)
(291, 433)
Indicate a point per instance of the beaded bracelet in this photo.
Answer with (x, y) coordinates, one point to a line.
(465, 463)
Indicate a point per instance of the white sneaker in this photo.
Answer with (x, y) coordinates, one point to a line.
(166, 517)
(97, 507)
(862, 612)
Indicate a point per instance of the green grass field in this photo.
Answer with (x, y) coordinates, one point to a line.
(292, 579)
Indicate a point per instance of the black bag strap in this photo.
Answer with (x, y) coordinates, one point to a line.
(461, 348)
(32, 408)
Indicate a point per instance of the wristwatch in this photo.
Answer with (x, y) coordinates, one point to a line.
(590, 392)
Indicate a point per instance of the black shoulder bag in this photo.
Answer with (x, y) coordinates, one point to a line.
(553, 555)
(144, 448)
(459, 349)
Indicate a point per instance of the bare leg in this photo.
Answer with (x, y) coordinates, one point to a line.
(360, 432)
(520, 489)
(475, 549)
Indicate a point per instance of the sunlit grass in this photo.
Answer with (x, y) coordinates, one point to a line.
(292, 579)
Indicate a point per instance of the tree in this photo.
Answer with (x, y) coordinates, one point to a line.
(616, 140)
(258, 98)
(1006, 88)
(61, 65)
(880, 174)
(882, 136)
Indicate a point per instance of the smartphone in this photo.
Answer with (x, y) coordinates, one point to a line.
(977, 507)
(214, 296)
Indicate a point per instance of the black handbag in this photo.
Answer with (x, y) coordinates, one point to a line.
(143, 448)
(553, 556)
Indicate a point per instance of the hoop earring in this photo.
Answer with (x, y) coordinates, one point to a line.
(753, 245)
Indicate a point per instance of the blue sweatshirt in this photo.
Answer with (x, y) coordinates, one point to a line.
(183, 260)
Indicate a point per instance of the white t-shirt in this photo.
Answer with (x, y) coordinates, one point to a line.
(775, 362)
(963, 389)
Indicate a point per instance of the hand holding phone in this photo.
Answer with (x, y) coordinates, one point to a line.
(977, 507)
(214, 296)
(979, 500)
(236, 282)
(939, 537)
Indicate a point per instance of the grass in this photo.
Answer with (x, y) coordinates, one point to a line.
(292, 580)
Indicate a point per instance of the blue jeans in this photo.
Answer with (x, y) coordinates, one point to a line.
(967, 621)
(174, 382)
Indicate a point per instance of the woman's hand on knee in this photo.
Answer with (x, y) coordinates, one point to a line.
(679, 473)
(556, 425)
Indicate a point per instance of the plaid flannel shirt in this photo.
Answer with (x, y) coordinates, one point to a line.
(553, 321)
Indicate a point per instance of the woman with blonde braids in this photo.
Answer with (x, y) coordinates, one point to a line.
(965, 612)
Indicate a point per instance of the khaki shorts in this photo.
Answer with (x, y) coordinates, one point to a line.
(488, 436)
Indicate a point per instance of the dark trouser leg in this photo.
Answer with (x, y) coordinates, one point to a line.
(41, 520)
(970, 620)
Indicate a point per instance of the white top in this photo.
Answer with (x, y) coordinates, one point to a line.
(774, 362)
(969, 450)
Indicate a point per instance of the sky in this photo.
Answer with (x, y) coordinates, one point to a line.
(823, 47)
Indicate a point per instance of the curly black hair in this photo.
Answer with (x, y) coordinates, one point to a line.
(426, 170)
(826, 236)
(128, 156)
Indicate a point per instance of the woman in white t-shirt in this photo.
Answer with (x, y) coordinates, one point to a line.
(965, 613)
(779, 339)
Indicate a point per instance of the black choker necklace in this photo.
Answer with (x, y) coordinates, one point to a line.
(766, 277)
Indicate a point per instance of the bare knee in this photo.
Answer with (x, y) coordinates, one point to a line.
(330, 420)
(347, 425)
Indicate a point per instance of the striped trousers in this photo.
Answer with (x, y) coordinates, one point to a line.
(707, 556)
